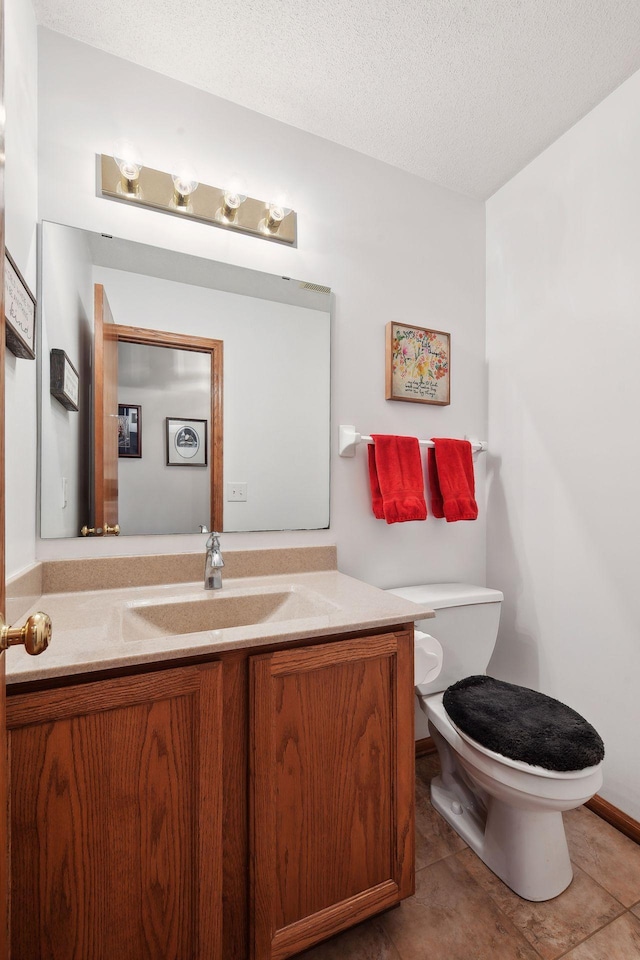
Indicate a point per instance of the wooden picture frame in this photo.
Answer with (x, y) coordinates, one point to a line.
(418, 364)
(186, 442)
(130, 430)
(64, 382)
(19, 312)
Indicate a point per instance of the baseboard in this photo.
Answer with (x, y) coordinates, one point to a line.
(616, 817)
(602, 808)
(425, 746)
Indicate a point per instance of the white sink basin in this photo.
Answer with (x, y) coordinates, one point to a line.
(217, 610)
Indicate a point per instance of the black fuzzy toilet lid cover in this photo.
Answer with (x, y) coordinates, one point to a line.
(523, 724)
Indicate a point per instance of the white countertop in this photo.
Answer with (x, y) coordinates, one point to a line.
(104, 629)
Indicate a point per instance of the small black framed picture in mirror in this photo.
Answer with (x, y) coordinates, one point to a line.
(64, 380)
(186, 442)
(129, 430)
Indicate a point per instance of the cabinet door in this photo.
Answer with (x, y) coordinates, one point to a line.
(332, 786)
(116, 793)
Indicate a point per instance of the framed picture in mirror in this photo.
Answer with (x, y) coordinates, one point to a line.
(186, 442)
(64, 381)
(129, 430)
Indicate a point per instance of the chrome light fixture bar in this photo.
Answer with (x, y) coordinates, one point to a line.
(217, 206)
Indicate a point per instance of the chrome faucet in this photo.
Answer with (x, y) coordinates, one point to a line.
(213, 564)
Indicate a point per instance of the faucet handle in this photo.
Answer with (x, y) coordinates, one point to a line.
(213, 541)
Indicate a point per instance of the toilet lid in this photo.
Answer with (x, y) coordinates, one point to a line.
(523, 724)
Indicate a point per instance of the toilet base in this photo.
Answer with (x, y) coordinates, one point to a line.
(525, 848)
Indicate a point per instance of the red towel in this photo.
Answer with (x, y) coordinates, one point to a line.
(451, 480)
(396, 479)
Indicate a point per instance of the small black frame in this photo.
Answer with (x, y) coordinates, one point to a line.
(65, 380)
(129, 430)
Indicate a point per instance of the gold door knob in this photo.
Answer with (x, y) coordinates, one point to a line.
(115, 530)
(35, 635)
(91, 531)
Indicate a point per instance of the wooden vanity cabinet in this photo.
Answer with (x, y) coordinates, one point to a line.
(242, 809)
(116, 818)
(332, 787)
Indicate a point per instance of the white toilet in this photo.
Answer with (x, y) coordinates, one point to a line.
(508, 811)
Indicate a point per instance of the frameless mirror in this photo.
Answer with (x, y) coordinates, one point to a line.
(178, 392)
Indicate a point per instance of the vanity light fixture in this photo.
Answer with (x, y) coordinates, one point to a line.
(124, 178)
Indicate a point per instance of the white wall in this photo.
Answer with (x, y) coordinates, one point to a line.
(390, 245)
(563, 295)
(21, 191)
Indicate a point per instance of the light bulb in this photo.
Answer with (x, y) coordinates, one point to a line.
(129, 161)
(233, 200)
(185, 182)
(234, 196)
(276, 215)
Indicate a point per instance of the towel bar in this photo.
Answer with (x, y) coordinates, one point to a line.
(349, 440)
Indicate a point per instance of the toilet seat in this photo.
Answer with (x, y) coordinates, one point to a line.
(523, 724)
(515, 775)
(531, 768)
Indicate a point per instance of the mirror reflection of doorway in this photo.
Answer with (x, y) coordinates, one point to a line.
(145, 377)
(169, 375)
(157, 383)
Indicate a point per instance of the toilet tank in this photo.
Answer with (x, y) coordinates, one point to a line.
(466, 624)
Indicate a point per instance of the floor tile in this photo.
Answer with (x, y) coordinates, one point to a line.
(427, 766)
(435, 839)
(367, 941)
(605, 854)
(452, 918)
(636, 910)
(619, 940)
(552, 927)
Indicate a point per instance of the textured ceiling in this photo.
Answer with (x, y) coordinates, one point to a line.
(462, 92)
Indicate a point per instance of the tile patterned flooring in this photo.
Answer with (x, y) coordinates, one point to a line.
(461, 911)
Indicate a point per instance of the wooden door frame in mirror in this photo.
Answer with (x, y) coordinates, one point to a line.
(181, 341)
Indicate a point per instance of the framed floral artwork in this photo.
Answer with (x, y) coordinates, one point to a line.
(418, 364)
